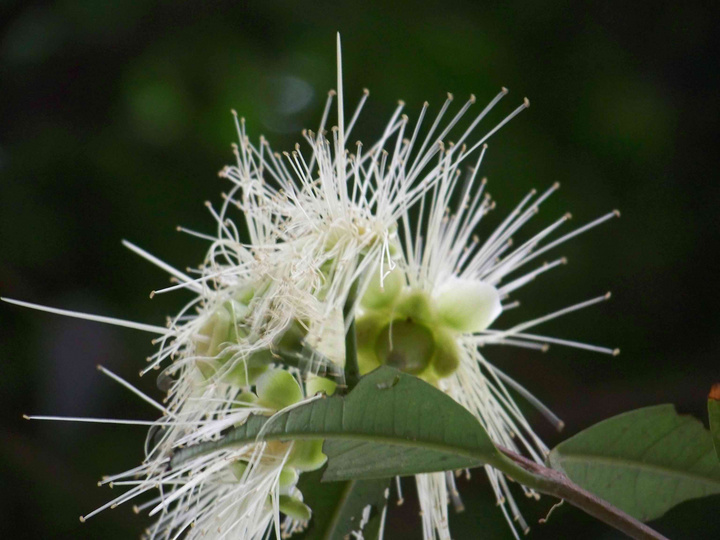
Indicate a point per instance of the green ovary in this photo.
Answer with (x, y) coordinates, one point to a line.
(417, 332)
(405, 345)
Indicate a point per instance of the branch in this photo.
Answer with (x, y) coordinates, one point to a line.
(555, 483)
(352, 370)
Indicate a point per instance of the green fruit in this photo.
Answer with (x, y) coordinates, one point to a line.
(277, 389)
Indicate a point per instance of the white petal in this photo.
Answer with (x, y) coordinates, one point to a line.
(468, 305)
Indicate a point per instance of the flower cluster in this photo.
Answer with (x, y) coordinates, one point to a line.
(307, 242)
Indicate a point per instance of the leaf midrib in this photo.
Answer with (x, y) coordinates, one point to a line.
(333, 435)
(658, 469)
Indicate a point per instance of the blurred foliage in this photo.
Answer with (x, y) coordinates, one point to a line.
(115, 119)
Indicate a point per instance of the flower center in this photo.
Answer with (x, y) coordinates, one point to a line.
(405, 345)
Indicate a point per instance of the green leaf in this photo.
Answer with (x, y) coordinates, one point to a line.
(391, 424)
(714, 416)
(644, 461)
(338, 506)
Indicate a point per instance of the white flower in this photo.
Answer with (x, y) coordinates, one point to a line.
(446, 293)
(367, 234)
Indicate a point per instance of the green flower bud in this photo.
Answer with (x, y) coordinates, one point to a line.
(277, 389)
(468, 305)
(307, 455)
(294, 508)
(379, 296)
(405, 345)
(317, 384)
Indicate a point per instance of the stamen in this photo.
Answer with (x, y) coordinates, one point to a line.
(95, 318)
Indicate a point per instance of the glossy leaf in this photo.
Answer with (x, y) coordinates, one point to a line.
(644, 461)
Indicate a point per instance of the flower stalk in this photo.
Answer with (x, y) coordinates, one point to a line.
(554, 483)
(352, 369)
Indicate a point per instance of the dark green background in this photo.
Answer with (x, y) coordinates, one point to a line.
(114, 119)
